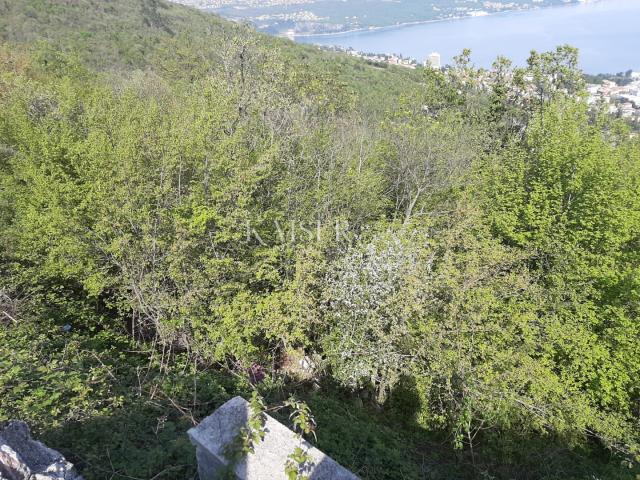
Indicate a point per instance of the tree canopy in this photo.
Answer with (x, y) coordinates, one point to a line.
(183, 200)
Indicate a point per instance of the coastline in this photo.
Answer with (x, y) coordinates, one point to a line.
(435, 20)
(513, 34)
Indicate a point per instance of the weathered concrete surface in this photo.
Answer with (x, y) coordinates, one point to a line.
(22, 458)
(268, 460)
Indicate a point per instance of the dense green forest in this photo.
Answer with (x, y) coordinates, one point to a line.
(188, 208)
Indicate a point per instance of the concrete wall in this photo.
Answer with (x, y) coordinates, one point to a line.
(268, 460)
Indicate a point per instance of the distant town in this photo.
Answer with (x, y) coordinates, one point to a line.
(621, 100)
(620, 93)
(379, 58)
(433, 60)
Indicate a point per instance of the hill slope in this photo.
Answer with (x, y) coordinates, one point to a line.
(189, 208)
(125, 35)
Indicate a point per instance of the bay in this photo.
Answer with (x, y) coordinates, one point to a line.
(607, 33)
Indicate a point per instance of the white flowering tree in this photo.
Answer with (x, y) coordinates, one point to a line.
(369, 304)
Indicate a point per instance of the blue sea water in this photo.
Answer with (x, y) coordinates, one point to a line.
(607, 33)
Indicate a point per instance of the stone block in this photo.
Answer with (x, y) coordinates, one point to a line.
(270, 455)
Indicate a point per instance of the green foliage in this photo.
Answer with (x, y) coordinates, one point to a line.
(103, 402)
(298, 462)
(55, 380)
(301, 418)
(564, 197)
(361, 440)
(180, 196)
(250, 434)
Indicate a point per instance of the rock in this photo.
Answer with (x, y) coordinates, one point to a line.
(22, 458)
(299, 365)
(11, 465)
(307, 365)
(267, 462)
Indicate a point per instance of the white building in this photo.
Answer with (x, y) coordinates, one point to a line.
(433, 60)
(626, 110)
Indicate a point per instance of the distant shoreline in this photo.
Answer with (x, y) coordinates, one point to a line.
(512, 33)
(426, 22)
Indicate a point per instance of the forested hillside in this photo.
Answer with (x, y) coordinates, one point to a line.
(189, 208)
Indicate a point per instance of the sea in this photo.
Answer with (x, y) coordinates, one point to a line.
(607, 33)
